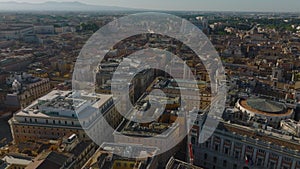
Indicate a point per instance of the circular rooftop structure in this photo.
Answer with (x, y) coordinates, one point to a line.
(265, 105)
(259, 108)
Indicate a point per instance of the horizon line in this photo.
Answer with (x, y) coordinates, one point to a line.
(130, 9)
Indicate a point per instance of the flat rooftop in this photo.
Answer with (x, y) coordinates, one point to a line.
(178, 164)
(149, 119)
(62, 104)
(109, 155)
(17, 159)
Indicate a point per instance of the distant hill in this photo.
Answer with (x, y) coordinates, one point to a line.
(56, 6)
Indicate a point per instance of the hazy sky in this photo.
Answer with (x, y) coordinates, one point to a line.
(207, 5)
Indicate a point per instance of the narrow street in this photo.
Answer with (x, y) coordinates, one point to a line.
(5, 134)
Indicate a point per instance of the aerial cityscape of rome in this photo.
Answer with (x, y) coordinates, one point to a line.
(136, 84)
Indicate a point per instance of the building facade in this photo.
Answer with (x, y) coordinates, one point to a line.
(234, 146)
(53, 116)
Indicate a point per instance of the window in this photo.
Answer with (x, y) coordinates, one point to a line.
(205, 156)
(46, 121)
(259, 162)
(234, 166)
(249, 148)
(273, 155)
(224, 163)
(236, 154)
(216, 147)
(193, 140)
(287, 159)
(207, 144)
(226, 150)
(272, 165)
(215, 159)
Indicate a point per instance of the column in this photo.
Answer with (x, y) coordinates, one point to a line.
(211, 142)
(231, 148)
(222, 145)
(243, 151)
(294, 164)
(254, 155)
(279, 162)
(266, 159)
